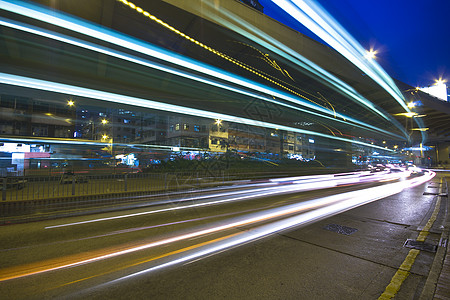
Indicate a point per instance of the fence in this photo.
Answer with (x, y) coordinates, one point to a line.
(25, 188)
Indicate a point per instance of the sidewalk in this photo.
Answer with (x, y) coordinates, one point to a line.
(438, 283)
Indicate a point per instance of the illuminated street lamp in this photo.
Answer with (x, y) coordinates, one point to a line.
(104, 121)
(104, 137)
(439, 81)
(218, 122)
(70, 103)
(371, 54)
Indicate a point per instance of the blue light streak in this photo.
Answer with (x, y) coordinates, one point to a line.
(316, 19)
(248, 30)
(140, 102)
(110, 36)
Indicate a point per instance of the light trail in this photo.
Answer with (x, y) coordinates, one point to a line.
(128, 230)
(140, 102)
(299, 184)
(338, 204)
(122, 40)
(87, 142)
(155, 19)
(321, 208)
(246, 29)
(110, 36)
(24, 271)
(153, 65)
(316, 19)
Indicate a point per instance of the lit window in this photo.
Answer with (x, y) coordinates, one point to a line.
(177, 127)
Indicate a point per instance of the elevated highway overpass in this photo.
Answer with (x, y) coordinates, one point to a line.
(205, 61)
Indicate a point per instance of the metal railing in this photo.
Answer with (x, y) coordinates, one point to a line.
(23, 188)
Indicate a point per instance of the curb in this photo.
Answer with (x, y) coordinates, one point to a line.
(443, 248)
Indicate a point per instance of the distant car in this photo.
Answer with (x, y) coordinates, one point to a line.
(377, 168)
(416, 171)
(396, 169)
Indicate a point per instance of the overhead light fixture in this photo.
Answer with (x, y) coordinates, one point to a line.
(407, 114)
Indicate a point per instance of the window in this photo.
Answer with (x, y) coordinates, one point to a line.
(40, 130)
(186, 126)
(197, 128)
(40, 107)
(177, 127)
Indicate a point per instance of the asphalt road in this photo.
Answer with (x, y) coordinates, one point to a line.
(318, 237)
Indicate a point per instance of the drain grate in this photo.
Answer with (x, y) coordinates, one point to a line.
(420, 245)
(340, 229)
(435, 194)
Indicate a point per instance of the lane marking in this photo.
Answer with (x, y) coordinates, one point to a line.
(426, 230)
(403, 271)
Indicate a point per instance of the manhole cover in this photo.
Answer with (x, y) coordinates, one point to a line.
(420, 245)
(340, 229)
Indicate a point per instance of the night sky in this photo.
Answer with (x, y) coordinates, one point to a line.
(412, 37)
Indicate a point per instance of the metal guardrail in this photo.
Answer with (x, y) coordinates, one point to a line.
(28, 188)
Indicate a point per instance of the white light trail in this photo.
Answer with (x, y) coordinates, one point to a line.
(303, 183)
(315, 210)
(147, 63)
(316, 19)
(110, 36)
(87, 142)
(336, 204)
(140, 102)
(246, 29)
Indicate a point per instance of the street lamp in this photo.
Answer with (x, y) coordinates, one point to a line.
(70, 103)
(371, 54)
(439, 81)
